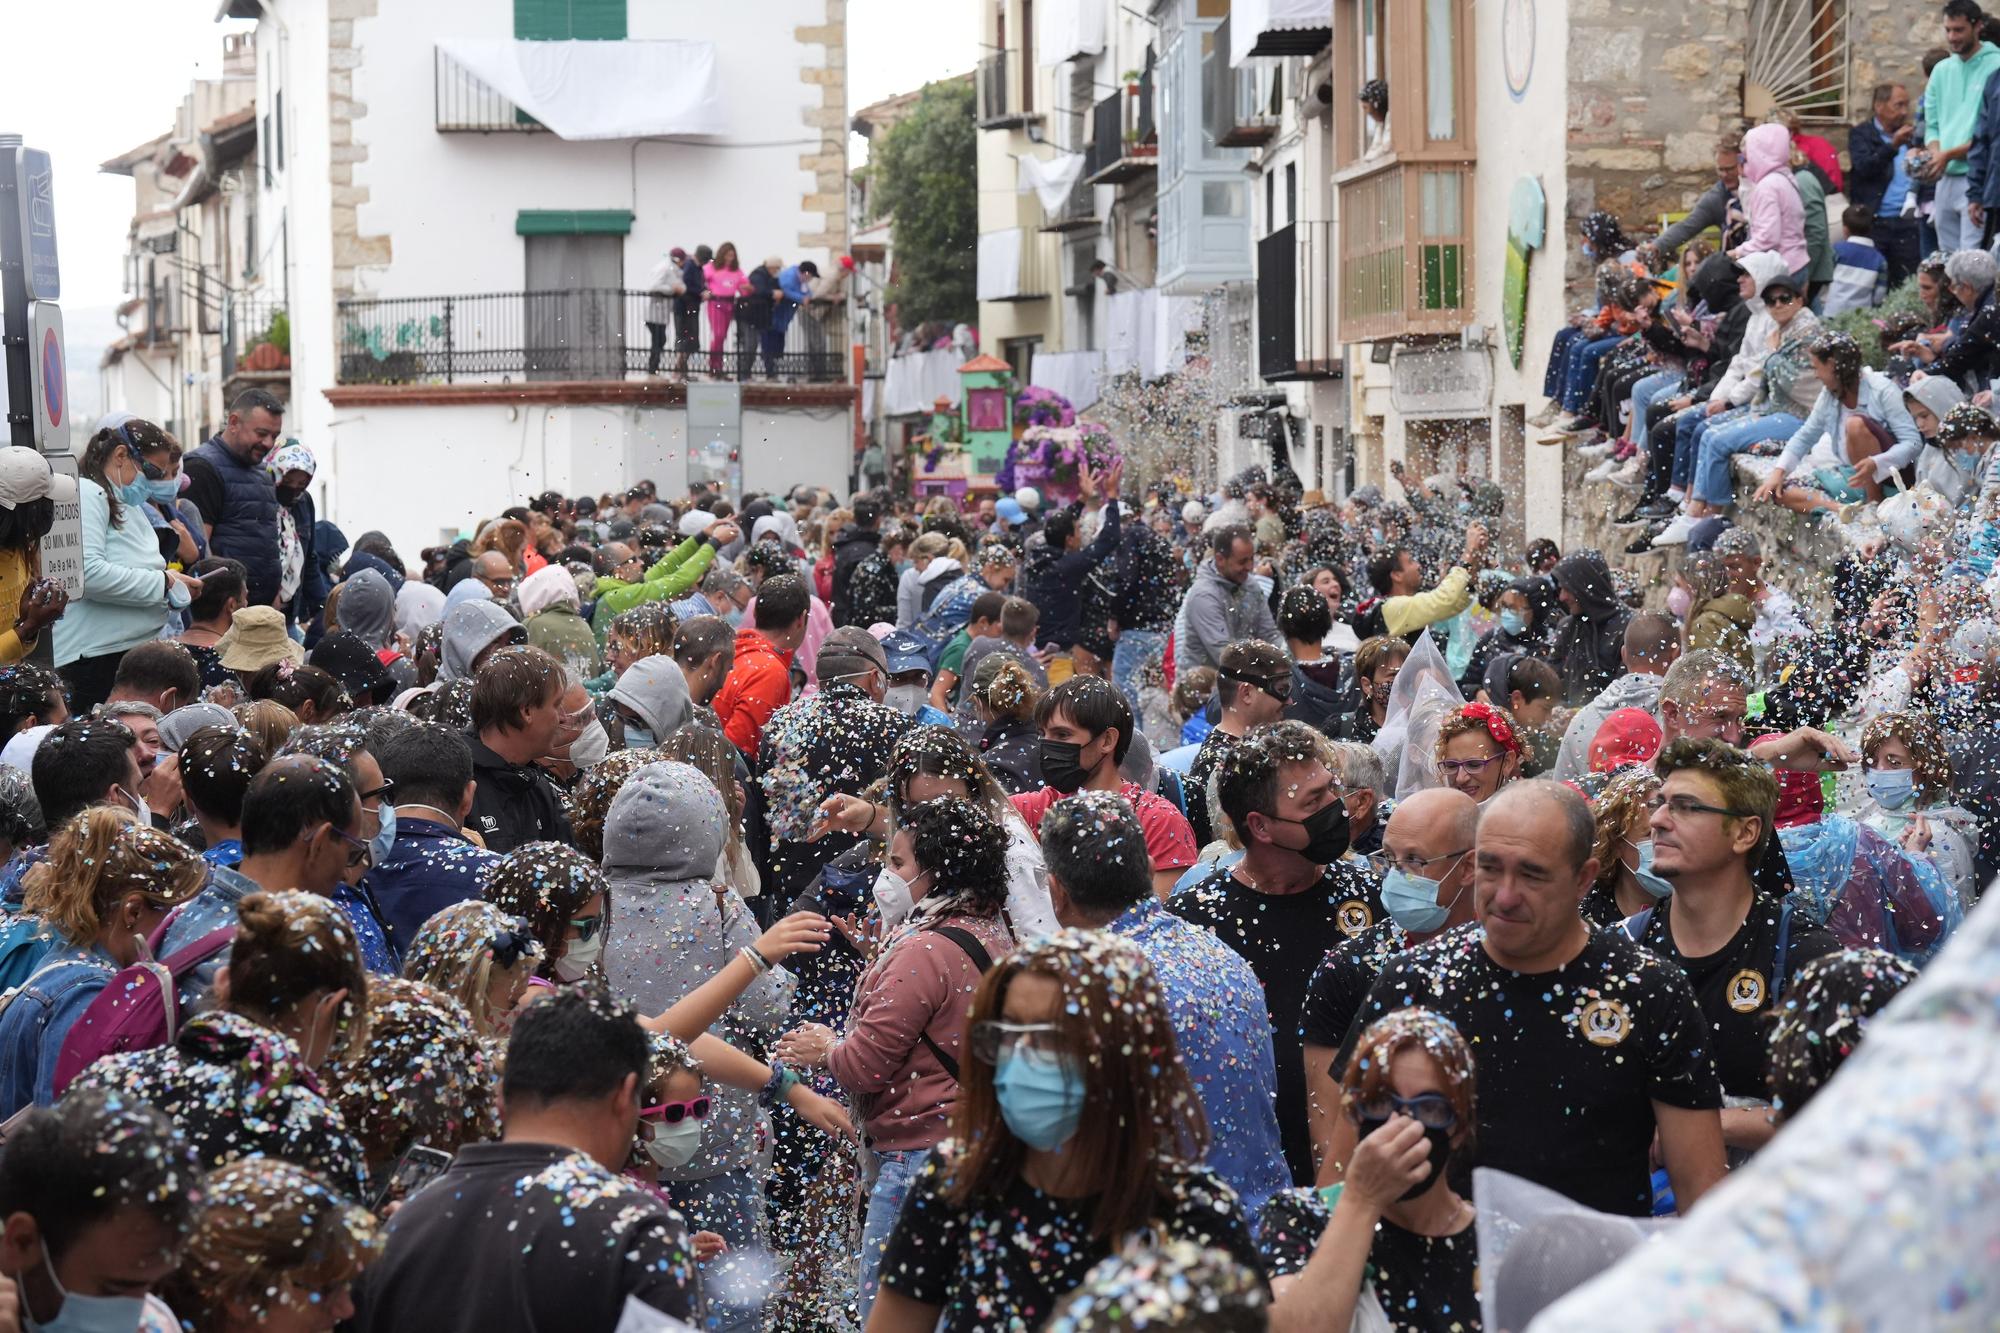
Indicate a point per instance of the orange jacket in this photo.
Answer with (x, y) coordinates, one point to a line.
(759, 684)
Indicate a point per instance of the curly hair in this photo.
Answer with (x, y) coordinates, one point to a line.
(1002, 684)
(546, 884)
(589, 801)
(648, 629)
(96, 859)
(1930, 761)
(1624, 794)
(423, 1076)
(461, 948)
(964, 849)
(1489, 720)
(290, 945)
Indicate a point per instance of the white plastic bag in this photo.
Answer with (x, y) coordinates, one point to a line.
(1425, 691)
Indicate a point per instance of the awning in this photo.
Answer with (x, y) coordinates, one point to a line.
(601, 90)
(1278, 28)
(1066, 29)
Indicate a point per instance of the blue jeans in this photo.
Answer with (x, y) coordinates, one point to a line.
(1552, 378)
(733, 1286)
(1135, 648)
(1686, 448)
(1643, 394)
(895, 1172)
(1581, 377)
(1729, 435)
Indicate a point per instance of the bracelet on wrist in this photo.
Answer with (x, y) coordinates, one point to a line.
(758, 962)
(783, 1079)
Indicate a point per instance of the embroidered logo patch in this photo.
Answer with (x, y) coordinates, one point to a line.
(1746, 991)
(1605, 1022)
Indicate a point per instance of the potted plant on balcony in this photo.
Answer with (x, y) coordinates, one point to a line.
(271, 349)
(1131, 78)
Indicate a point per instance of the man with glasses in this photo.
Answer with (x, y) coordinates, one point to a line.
(1739, 946)
(1592, 1052)
(1426, 868)
(1291, 898)
(496, 573)
(1254, 682)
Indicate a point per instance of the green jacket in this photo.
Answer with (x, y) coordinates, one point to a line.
(1819, 246)
(678, 570)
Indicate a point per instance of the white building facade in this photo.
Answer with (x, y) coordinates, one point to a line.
(467, 280)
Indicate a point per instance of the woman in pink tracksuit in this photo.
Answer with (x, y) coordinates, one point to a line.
(1777, 215)
(726, 282)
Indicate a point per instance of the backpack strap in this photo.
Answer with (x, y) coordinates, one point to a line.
(1780, 967)
(184, 961)
(159, 935)
(982, 960)
(1635, 925)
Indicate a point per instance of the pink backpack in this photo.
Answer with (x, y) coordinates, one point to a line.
(138, 1009)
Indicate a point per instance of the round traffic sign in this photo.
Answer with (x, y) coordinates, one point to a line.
(52, 376)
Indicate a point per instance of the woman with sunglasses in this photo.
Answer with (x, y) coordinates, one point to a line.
(1478, 751)
(564, 901)
(128, 589)
(1394, 1232)
(1076, 1126)
(480, 956)
(901, 1059)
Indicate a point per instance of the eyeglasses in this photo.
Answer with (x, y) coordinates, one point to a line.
(378, 793)
(1449, 769)
(993, 1040)
(1782, 298)
(358, 854)
(1384, 861)
(499, 585)
(1680, 807)
(1432, 1110)
(672, 1113)
(586, 927)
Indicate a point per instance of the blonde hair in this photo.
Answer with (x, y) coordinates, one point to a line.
(1009, 691)
(269, 721)
(99, 857)
(289, 945)
(459, 951)
(1624, 794)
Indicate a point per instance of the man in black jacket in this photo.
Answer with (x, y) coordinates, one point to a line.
(516, 711)
(856, 542)
(1053, 578)
(1879, 179)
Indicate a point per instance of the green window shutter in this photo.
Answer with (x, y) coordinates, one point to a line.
(573, 222)
(569, 20)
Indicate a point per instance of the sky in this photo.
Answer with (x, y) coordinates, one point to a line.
(115, 70)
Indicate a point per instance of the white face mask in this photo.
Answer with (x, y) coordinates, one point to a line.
(590, 747)
(892, 895)
(674, 1145)
(906, 699)
(582, 955)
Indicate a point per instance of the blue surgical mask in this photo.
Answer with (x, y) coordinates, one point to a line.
(733, 619)
(1041, 1098)
(1892, 788)
(87, 1314)
(134, 492)
(638, 737)
(1514, 623)
(1966, 464)
(1654, 884)
(384, 840)
(1412, 901)
(166, 490)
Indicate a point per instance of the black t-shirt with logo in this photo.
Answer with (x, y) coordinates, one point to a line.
(1283, 937)
(1734, 985)
(1340, 983)
(1214, 746)
(1569, 1062)
(1425, 1284)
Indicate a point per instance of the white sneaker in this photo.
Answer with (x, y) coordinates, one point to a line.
(1602, 449)
(1675, 533)
(1603, 471)
(1630, 473)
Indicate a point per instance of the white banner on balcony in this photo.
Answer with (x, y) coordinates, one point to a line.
(915, 381)
(1000, 264)
(1049, 178)
(1146, 332)
(1077, 376)
(601, 90)
(1066, 29)
(1251, 19)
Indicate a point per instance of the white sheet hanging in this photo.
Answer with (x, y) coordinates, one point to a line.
(1049, 178)
(916, 379)
(1000, 264)
(1066, 29)
(601, 90)
(1075, 375)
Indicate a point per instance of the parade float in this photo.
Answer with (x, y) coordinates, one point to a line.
(995, 440)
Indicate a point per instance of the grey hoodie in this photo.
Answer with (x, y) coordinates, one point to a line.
(655, 689)
(368, 608)
(671, 931)
(468, 631)
(1216, 614)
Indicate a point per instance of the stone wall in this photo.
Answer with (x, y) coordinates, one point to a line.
(351, 250)
(828, 160)
(1652, 85)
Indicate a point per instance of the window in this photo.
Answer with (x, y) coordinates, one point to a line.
(1221, 199)
(278, 124)
(1270, 203)
(569, 20)
(1797, 59)
(1440, 69)
(1019, 354)
(1291, 192)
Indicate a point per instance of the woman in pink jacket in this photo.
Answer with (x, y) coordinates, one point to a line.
(906, 1037)
(1777, 215)
(726, 282)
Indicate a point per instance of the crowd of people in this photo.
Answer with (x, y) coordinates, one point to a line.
(701, 296)
(1127, 909)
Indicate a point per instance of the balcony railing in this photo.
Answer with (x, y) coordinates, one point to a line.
(1405, 249)
(256, 337)
(1317, 346)
(1119, 148)
(464, 104)
(586, 334)
(1295, 276)
(1000, 104)
(1251, 119)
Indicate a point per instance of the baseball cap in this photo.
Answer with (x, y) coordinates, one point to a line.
(1628, 736)
(1028, 498)
(1010, 509)
(849, 651)
(695, 522)
(905, 652)
(25, 476)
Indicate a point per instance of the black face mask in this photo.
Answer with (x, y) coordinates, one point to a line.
(1440, 1152)
(287, 497)
(1326, 833)
(1061, 766)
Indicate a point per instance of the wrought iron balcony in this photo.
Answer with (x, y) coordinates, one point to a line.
(465, 105)
(1001, 90)
(588, 334)
(1120, 149)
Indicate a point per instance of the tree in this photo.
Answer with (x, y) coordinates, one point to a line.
(928, 177)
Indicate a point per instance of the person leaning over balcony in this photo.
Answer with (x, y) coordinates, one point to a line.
(127, 586)
(237, 498)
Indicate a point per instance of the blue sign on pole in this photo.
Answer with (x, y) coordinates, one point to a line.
(34, 180)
